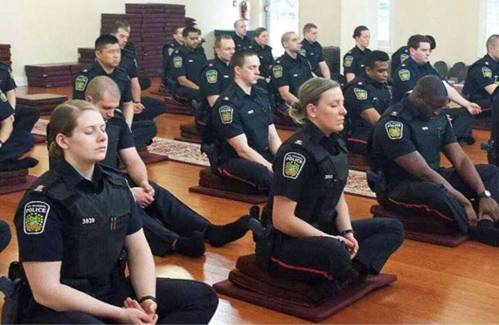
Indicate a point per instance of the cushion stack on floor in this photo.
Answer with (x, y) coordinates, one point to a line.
(45, 103)
(189, 133)
(5, 55)
(86, 55)
(251, 283)
(284, 122)
(52, 75)
(15, 180)
(357, 162)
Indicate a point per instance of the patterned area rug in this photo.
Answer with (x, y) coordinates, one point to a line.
(190, 153)
(40, 128)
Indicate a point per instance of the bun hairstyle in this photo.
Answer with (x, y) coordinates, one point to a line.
(310, 93)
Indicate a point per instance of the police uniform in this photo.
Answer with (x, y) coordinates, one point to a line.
(20, 140)
(311, 169)
(84, 225)
(403, 130)
(189, 63)
(481, 74)
(405, 79)
(353, 61)
(399, 57)
(216, 77)
(266, 59)
(287, 71)
(363, 93)
(168, 50)
(313, 53)
(242, 43)
(237, 113)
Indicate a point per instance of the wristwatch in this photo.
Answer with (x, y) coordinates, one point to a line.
(485, 194)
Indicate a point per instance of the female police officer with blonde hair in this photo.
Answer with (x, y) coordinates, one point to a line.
(75, 226)
(313, 237)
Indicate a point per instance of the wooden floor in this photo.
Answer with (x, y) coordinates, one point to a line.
(435, 285)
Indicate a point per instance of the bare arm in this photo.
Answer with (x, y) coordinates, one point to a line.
(212, 99)
(141, 265)
(343, 218)
(370, 115)
(184, 82)
(11, 98)
(6, 128)
(128, 112)
(349, 76)
(491, 88)
(324, 70)
(274, 139)
(134, 165)
(460, 100)
(286, 95)
(243, 150)
(136, 91)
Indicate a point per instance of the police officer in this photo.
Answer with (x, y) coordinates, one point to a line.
(312, 235)
(216, 77)
(290, 70)
(145, 108)
(246, 137)
(187, 63)
(5, 235)
(406, 145)
(402, 54)
(73, 228)
(108, 56)
(417, 66)
(312, 50)
(167, 51)
(353, 60)
(264, 51)
(366, 98)
(241, 39)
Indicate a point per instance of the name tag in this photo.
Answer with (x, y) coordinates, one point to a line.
(424, 128)
(296, 75)
(251, 112)
(190, 60)
(87, 221)
(329, 177)
(226, 76)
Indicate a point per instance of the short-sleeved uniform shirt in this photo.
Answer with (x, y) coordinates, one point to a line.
(353, 61)
(481, 74)
(243, 43)
(216, 77)
(405, 78)
(399, 57)
(313, 53)
(362, 94)
(129, 61)
(403, 130)
(6, 82)
(266, 59)
(44, 239)
(189, 63)
(5, 110)
(287, 71)
(237, 113)
(118, 75)
(168, 50)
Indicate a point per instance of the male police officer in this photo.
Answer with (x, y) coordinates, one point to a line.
(366, 98)
(291, 69)
(241, 39)
(312, 50)
(352, 61)
(168, 50)
(406, 144)
(246, 137)
(417, 66)
(402, 54)
(216, 77)
(187, 63)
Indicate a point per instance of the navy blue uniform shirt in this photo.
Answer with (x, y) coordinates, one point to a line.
(287, 71)
(482, 73)
(353, 61)
(189, 63)
(406, 76)
(313, 53)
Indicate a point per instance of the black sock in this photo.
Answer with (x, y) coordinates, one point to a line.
(485, 233)
(191, 246)
(220, 235)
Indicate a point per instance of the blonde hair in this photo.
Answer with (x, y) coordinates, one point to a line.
(63, 120)
(310, 93)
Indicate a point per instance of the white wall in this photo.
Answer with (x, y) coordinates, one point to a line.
(326, 15)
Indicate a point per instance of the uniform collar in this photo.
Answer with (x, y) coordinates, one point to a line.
(304, 41)
(356, 48)
(241, 94)
(101, 70)
(290, 57)
(488, 57)
(412, 109)
(370, 81)
(413, 63)
(72, 178)
(217, 59)
(186, 49)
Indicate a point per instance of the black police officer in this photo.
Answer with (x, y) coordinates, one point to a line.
(417, 66)
(187, 63)
(402, 54)
(167, 51)
(246, 137)
(241, 39)
(366, 98)
(312, 50)
(290, 70)
(352, 60)
(312, 235)
(406, 145)
(264, 51)
(216, 77)
(73, 228)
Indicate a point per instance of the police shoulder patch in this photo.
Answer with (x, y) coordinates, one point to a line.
(293, 164)
(486, 72)
(394, 129)
(348, 61)
(81, 83)
(404, 74)
(170, 51)
(403, 57)
(303, 51)
(360, 93)
(212, 76)
(35, 217)
(3, 97)
(177, 61)
(226, 114)
(277, 71)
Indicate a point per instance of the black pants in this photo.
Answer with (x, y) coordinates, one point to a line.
(5, 235)
(188, 94)
(166, 219)
(179, 302)
(21, 140)
(248, 172)
(315, 258)
(434, 201)
(153, 108)
(143, 132)
(462, 122)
